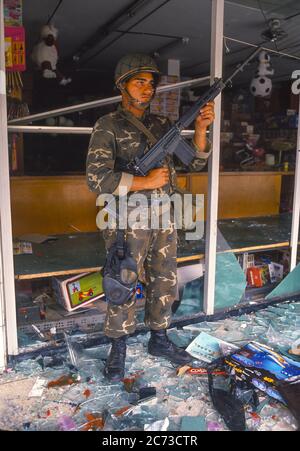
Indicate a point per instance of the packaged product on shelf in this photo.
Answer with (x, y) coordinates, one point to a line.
(77, 291)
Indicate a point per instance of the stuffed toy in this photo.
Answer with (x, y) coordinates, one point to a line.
(261, 84)
(45, 55)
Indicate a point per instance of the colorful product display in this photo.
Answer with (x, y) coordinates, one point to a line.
(264, 368)
(15, 49)
(13, 12)
(257, 276)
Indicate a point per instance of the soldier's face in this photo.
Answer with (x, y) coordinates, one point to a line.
(141, 87)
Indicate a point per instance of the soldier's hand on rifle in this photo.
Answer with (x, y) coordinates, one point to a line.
(206, 117)
(157, 178)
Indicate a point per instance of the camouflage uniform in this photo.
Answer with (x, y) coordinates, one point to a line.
(114, 138)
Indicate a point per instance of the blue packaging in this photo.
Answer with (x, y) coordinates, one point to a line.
(263, 367)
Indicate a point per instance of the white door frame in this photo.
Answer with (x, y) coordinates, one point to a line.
(8, 338)
(216, 58)
(296, 202)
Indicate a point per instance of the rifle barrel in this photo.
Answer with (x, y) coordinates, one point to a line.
(241, 66)
(164, 145)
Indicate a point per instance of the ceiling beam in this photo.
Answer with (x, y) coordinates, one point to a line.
(126, 31)
(113, 24)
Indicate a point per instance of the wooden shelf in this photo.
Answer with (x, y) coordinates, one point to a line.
(85, 252)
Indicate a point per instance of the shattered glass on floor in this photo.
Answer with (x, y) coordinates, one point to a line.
(67, 391)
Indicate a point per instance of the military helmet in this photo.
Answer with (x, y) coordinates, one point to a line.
(132, 64)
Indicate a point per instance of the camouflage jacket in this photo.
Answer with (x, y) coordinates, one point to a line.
(114, 138)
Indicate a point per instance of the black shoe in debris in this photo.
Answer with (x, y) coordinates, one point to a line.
(115, 364)
(160, 346)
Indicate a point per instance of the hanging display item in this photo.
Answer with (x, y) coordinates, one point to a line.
(15, 49)
(45, 55)
(261, 84)
(13, 12)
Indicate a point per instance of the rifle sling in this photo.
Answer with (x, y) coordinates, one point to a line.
(138, 124)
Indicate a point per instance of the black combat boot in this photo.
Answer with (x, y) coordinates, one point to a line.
(115, 364)
(160, 346)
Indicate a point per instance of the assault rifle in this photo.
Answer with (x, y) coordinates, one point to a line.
(172, 142)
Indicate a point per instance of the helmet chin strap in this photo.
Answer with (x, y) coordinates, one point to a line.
(137, 103)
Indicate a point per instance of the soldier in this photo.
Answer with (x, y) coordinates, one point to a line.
(116, 139)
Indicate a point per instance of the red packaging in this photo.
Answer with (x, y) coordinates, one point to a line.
(254, 277)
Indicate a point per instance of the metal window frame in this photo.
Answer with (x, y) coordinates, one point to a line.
(64, 130)
(101, 102)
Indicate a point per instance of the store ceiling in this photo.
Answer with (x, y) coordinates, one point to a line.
(101, 31)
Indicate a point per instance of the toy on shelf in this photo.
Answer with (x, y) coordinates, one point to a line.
(45, 55)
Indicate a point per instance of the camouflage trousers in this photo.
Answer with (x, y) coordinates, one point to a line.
(155, 253)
